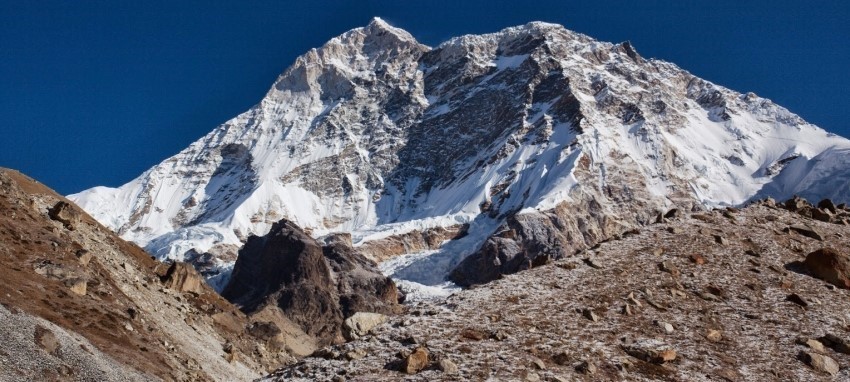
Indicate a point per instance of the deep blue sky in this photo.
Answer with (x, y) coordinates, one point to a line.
(95, 92)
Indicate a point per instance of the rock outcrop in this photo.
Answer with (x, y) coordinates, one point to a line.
(316, 287)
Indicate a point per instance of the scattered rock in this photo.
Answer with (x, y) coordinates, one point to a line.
(562, 358)
(669, 267)
(84, 256)
(263, 331)
(447, 366)
(697, 259)
(656, 356)
(720, 240)
(821, 215)
(813, 344)
(586, 367)
(361, 323)
(827, 205)
(46, 340)
(836, 343)
(77, 285)
(589, 314)
(829, 265)
(665, 326)
(806, 231)
(537, 363)
(797, 299)
(819, 362)
(593, 263)
(66, 214)
(355, 354)
(499, 335)
(416, 361)
(473, 334)
(713, 335)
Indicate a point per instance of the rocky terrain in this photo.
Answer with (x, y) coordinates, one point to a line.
(79, 303)
(531, 140)
(756, 294)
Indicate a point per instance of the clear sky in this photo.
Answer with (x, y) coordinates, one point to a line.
(96, 92)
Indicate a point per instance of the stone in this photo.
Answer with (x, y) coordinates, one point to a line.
(263, 330)
(65, 213)
(586, 367)
(46, 340)
(499, 335)
(827, 205)
(720, 240)
(813, 344)
(656, 356)
(669, 267)
(666, 327)
(415, 361)
(829, 265)
(836, 343)
(473, 334)
(713, 335)
(84, 256)
(806, 231)
(77, 285)
(796, 203)
(589, 314)
(797, 299)
(697, 259)
(183, 277)
(819, 362)
(538, 363)
(361, 323)
(447, 366)
(821, 215)
(355, 354)
(562, 358)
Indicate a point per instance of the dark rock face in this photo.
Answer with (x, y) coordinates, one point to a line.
(314, 286)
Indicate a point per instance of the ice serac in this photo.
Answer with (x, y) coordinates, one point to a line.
(534, 139)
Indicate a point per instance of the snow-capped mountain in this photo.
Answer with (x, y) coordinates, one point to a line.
(378, 135)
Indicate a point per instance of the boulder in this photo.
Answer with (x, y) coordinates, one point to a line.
(447, 366)
(315, 286)
(415, 361)
(66, 214)
(827, 204)
(183, 277)
(45, 339)
(361, 323)
(806, 231)
(819, 362)
(829, 265)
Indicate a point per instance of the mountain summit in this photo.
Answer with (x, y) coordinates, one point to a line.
(529, 143)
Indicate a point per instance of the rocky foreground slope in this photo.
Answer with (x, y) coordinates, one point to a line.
(77, 303)
(757, 294)
(564, 139)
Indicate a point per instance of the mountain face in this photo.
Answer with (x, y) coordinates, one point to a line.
(496, 148)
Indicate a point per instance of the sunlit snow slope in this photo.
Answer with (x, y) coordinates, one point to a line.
(377, 135)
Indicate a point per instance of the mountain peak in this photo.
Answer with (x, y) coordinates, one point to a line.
(379, 26)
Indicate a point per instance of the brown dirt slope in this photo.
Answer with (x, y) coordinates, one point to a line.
(104, 308)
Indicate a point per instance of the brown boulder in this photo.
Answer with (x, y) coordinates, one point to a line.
(829, 265)
(45, 339)
(183, 277)
(66, 214)
(416, 361)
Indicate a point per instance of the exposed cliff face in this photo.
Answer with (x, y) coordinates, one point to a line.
(536, 128)
(315, 286)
